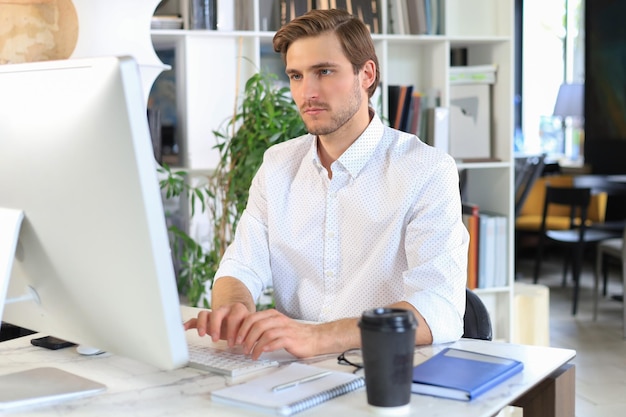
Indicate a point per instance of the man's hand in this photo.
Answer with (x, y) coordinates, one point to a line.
(270, 330)
(233, 319)
(220, 324)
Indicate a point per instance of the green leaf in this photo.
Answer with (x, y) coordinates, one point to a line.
(266, 115)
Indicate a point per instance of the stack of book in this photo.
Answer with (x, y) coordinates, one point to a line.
(367, 10)
(486, 265)
(418, 113)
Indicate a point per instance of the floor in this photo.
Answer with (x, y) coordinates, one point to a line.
(600, 346)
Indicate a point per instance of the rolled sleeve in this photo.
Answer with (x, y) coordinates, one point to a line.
(247, 258)
(436, 247)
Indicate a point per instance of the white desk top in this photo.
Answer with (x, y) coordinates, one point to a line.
(141, 390)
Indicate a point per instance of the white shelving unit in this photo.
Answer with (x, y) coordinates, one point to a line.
(210, 70)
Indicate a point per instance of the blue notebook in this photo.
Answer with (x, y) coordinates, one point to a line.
(462, 375)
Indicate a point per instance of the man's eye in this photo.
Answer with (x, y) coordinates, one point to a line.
(295, 77)
(325, 72)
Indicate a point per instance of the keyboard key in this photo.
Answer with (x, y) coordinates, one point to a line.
(225, 362)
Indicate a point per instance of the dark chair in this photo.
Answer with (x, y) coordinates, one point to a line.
(615, 194)
(616, 249)
(616, 197)
(476, 322)
(575, 238)
(527, 170)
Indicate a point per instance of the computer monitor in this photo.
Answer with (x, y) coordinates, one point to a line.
(91, 257)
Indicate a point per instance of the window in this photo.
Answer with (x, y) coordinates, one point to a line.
(551, 53)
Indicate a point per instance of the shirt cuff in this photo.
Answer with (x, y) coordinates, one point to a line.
(442, 316)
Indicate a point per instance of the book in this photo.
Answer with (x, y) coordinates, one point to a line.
(399, 106)
(406, 107)
(393, 91)
(462, 375)
(492, 249)
(290, 9)
(415, 113)
(473, 74)
(486, 250)
(402, 97)
(367, 11)
(438, 127)
(258, 394)
(471, 213)
(398, 17)
(416, 11)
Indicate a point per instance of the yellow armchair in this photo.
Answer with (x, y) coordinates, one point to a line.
(529, 219)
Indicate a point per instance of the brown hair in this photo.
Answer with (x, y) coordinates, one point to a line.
(353, 35)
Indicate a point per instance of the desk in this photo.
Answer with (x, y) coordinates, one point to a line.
(617, 178)
(544, 388)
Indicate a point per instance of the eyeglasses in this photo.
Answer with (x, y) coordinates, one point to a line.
(351, 357)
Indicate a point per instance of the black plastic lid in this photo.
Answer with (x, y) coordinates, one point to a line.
(388, 320)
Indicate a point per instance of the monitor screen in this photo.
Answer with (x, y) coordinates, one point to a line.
(92, 261)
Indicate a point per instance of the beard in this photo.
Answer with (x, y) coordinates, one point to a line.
(337, 118)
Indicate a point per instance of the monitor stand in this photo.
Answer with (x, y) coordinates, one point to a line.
(10, 223)
(40, 385)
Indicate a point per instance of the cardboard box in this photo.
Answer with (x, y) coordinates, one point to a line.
(470, 121)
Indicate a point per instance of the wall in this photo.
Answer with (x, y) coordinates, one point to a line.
(605, 86)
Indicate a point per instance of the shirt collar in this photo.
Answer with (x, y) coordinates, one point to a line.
(357, 155)
(361, 151)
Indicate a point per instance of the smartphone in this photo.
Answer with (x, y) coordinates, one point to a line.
(51, 342)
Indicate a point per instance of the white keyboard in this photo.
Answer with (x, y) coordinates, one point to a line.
(230, 362)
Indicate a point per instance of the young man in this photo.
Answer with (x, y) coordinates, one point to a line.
(355, 215)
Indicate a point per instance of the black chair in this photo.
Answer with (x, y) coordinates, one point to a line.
(527, 170)
(476, 321)
(616, 197)
(610, 248)
(575, 238)
(615, 221)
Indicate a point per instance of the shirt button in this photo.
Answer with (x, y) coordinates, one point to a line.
(329, 273)
(330, 235)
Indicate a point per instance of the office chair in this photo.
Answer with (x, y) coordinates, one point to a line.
(575, 238)
(613, 247)
(476, 321)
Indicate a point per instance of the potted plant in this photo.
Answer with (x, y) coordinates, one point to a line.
(266, 115)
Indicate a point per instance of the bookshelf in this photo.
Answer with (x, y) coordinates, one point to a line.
(210, 72)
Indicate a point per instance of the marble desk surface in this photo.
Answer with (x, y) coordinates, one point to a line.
(137, 389)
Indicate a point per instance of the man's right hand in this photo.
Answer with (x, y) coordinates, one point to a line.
(222, 323)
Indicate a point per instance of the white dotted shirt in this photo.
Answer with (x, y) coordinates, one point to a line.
(386, 228)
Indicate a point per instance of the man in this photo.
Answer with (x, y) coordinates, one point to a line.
(355, 215)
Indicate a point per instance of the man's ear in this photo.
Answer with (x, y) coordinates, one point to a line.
(368, 74)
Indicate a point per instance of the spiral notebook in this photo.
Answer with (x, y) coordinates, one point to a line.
(258, 394)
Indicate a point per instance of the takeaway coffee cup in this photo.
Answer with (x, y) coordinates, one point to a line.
(387, 345)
